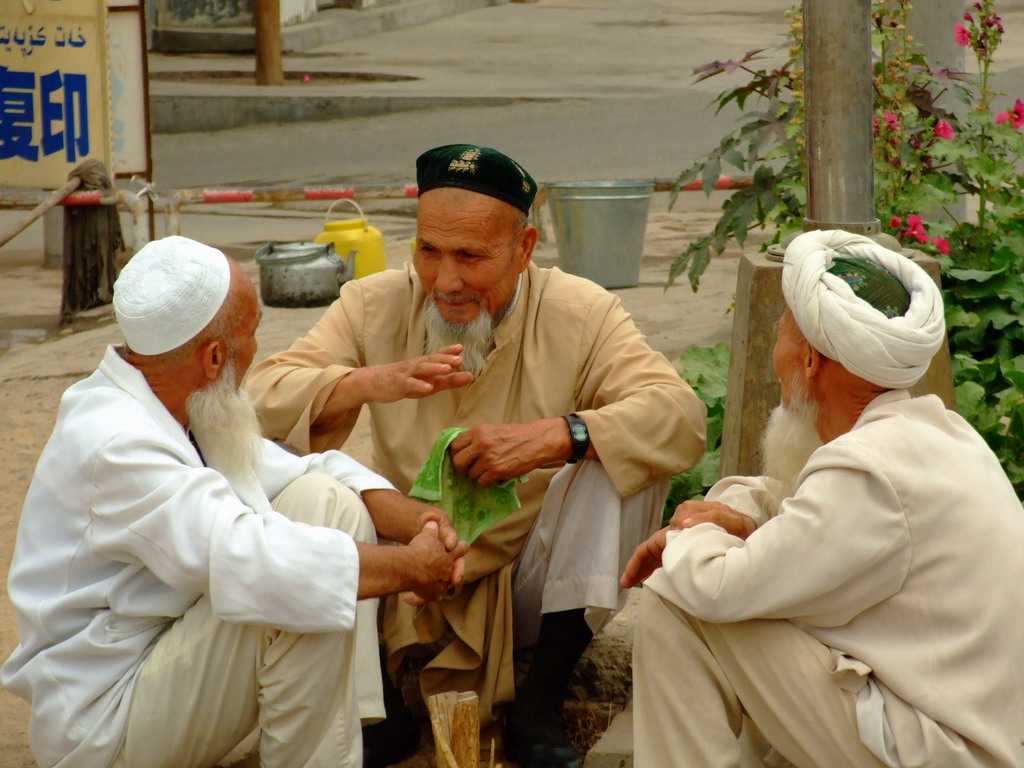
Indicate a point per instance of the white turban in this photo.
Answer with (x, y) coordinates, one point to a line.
(890, 352)
(168, 292)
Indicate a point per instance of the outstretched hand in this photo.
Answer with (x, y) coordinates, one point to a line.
(418, 376)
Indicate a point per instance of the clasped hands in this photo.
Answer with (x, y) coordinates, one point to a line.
(647, 557)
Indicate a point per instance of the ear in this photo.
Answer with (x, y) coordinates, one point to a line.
(812, 360)
(212, 358)
(527, 242)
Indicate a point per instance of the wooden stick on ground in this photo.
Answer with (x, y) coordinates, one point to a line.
(465, 736)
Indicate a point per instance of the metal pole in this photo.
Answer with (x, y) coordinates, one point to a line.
(840, 165)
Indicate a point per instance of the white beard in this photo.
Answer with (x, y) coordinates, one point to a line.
(476, 336)
(224, 423)
(789, 439)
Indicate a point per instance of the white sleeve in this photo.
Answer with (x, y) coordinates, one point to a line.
(747, 495)
(837, 547)
(187, 526)
(281, 467)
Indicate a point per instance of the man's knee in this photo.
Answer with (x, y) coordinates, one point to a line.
(318, 499)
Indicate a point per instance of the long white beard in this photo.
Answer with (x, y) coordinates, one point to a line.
(224, 423)
(789, 439)
(476, 336)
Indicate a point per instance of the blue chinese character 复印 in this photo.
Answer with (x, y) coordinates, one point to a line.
(17, 114)
(68, 109)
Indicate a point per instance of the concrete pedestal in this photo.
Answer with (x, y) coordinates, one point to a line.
(753, 389)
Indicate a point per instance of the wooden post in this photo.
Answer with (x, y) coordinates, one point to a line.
(267, 20)
(455, 721)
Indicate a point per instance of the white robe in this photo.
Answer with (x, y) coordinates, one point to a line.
(123, 529)
(903, 551)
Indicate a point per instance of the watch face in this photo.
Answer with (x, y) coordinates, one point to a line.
(579, 431)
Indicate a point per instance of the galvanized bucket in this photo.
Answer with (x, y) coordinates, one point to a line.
(600, 228)
(301, 274)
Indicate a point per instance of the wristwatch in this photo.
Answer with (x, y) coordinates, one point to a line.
(579, 435)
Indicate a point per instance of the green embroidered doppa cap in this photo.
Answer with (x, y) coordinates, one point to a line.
(478, 169)
(875, 284)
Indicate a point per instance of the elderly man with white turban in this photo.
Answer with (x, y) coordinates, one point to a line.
(859, 605)
(165, 608)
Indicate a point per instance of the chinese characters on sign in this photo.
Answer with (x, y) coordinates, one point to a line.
(63, 105)
(53, 90)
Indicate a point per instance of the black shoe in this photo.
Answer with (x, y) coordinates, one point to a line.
(537, 739)
(390, 741)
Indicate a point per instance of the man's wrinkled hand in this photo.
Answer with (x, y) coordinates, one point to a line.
(418, 376)
(691, 513)
(646, 559)
(445, 530)
(438, 568)
(491, 453)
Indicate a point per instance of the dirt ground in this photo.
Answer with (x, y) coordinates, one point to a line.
(38, 361)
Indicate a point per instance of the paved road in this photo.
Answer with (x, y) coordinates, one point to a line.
(619, 73)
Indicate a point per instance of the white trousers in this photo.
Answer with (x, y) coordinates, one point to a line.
(695, 683)
(208, 683)
(579, 546)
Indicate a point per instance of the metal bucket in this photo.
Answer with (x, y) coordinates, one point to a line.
(600, 227)
(301, 274)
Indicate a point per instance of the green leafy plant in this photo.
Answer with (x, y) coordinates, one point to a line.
(928, 158)
(706, 369)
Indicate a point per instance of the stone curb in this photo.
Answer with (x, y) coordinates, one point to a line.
(332, 25)
(186, 112)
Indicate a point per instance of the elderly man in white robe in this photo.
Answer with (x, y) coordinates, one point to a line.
(860, 604)
(165, 609)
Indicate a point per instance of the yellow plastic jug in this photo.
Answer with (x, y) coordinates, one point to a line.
(355, 238)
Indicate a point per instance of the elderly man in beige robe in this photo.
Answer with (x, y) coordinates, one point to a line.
(553, 381)
(860, 602)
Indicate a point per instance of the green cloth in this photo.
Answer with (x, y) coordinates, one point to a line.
(874, 283)
(478, 169)
(471, 507)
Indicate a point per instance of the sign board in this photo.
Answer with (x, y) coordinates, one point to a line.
(129, 89)
(54, 105)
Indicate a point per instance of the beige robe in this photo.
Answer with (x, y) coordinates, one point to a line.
(568, 345)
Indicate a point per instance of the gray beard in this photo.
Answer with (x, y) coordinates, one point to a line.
(476, 336)
(789, 439)
(224, 423)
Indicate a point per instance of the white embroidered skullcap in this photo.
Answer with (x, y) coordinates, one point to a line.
(168, 292)
(890, 352)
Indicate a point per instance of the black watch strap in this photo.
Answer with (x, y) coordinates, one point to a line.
(579, 435)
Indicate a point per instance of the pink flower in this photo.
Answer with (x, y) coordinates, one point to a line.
(944, 130)
(894, 222)
(1016, 115)
(890, 118)
(963, 37)
(967, 16)
(914, 221)
(941, 245)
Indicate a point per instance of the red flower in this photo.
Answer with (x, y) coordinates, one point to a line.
(963, 37)
(941, 245)
(1016, 115)
(967, 16)
(944, 130)
(894, 222)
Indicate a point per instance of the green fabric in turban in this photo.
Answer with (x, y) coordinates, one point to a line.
(479, 169)
(471, 507)
(873, 283)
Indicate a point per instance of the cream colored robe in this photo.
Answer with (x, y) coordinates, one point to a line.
(567, 346)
